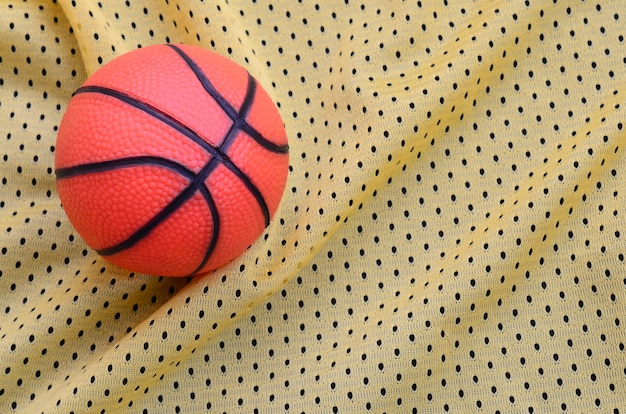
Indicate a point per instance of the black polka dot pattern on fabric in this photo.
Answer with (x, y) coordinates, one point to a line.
(450, 238)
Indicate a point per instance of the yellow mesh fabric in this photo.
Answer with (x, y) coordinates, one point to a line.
(451, 238)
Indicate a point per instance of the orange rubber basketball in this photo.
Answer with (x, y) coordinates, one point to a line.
(171, 160)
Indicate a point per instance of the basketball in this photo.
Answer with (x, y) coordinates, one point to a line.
(171, 160)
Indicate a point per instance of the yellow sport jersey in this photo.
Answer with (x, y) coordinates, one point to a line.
(451, 238)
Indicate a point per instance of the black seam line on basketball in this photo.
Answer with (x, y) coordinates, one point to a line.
(154, 112)
(129, 162)
(164, 214)
(230, 111)
(143, 231)
(216, 228)
(167, 119)
(226, 143)
(208, 168)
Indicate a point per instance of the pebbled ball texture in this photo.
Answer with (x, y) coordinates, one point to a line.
(171, 160)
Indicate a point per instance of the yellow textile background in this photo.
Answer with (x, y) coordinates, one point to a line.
(451, 238)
